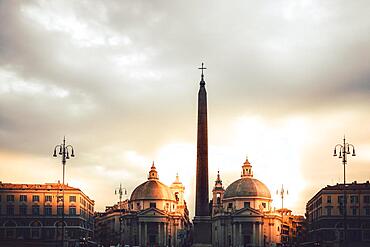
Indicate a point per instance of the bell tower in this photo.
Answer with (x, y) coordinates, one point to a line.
(218, 195)
(178, 189)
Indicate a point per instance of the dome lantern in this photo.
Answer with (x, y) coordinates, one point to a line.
(247, 169)
(153, 174)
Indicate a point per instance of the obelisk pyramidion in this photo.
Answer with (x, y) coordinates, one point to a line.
(202, 219)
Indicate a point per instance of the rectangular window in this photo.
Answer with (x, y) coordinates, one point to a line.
(354, 211)
(60, 198)
(48, 198)
(354, 199)
(72, 198)
(328, 199)
(340, 199)
(10, 210)
(247, 204)
(60, 210)
(23, 209)
(366, 199)
(328, 211)
(153, 204)
(367, 211)
(23, 198)
(10, 198)
(35, 210)
(230, 205)
(72, 210)
(341, 210)
(48, 210)
(35, 198)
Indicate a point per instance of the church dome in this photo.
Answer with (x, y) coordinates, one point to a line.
(152, 189)
(247, 186)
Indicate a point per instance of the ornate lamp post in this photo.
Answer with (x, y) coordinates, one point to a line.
(63, 150)
(119, 191)
(282, 193)
(344, 149)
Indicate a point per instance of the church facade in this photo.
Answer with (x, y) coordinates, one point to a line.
(157, 214)
(242, 214)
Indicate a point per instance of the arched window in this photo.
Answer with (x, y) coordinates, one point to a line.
(35, 230)
(59, 227)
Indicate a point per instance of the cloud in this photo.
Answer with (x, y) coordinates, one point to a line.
(121, 77)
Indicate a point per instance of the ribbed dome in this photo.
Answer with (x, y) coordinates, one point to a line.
(246, 187)
(152, 190)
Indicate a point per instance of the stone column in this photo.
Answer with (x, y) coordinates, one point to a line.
(166, 234)
(159, 234)
(260, 231)
(254, 234)
(140, 237)
(175, 235)
(145, 234)
(234, 234)
(240, 235)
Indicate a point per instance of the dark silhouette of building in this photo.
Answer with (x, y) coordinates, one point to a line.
(325, 218)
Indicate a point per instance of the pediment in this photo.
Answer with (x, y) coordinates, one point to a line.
(248, 212)
(154, 212)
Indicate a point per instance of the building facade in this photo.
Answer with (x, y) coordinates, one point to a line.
(325, 215)
(293, 228)
(31, 215)
(155, 215)
(108, 230)
(242, 215)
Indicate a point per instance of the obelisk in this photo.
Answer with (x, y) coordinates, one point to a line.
(202, 219)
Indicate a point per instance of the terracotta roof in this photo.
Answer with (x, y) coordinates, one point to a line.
(46, 186)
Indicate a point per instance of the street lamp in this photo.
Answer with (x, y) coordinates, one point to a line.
(282, 193)
(119, 191)
(63, 150)
(344, 149)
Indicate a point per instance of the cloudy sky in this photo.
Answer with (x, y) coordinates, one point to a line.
(285, 80)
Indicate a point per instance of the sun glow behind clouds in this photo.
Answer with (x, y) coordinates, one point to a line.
(275, 149)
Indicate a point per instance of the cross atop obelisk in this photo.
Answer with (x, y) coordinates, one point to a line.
(202, 82)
